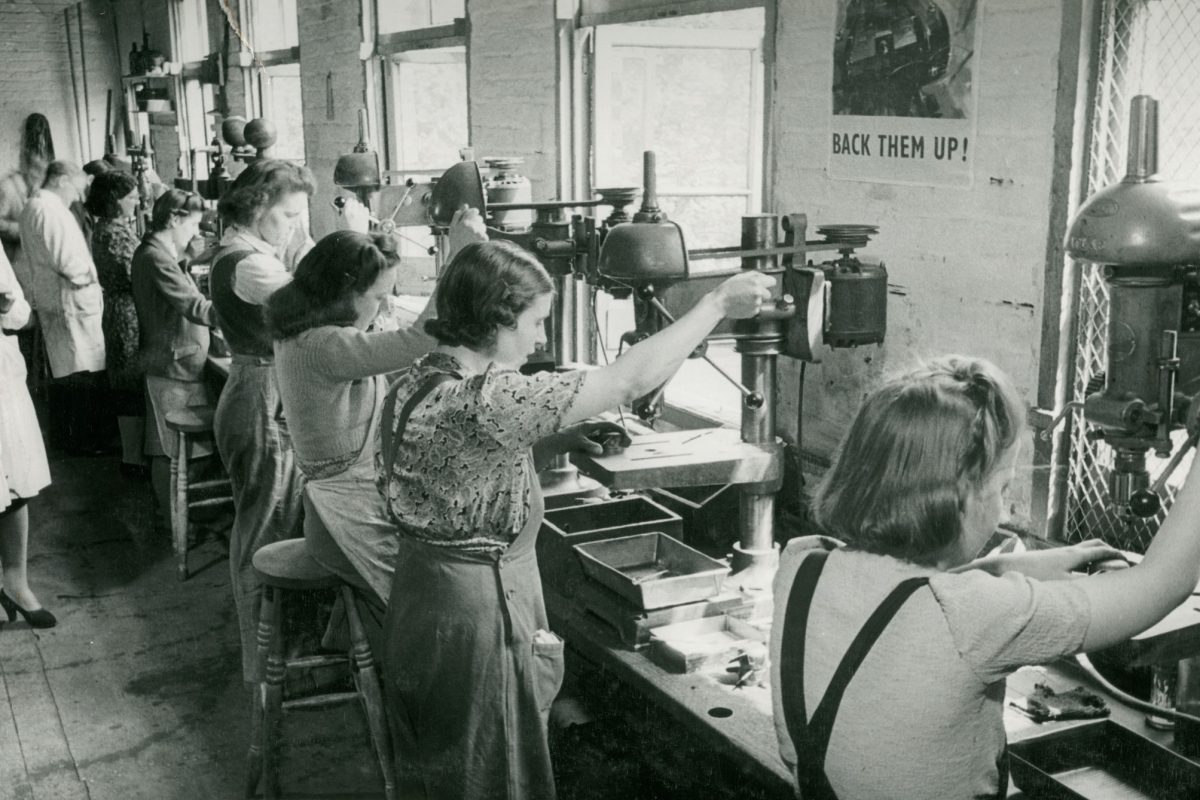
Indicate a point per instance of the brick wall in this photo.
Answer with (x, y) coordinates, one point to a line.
(330, 32)
(512, 86)
(36, 76)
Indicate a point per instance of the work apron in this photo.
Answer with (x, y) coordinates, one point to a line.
(810, 735)
(471, 668)
(257, 452)
(347, 530)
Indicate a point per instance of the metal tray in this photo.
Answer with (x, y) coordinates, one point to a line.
(652, 570)
(625, 516)
(1101, 761)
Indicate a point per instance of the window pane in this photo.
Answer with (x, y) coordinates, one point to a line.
(428, 126)
(430, 102)
(283, 106)
(193, 30)
(407, 15)
(274, 24)
(691, 106)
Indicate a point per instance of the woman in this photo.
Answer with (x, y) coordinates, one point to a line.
(264, 210)
(470, 669)
(329, 368)
(37, 151)
(111, 202)
(23, 468)
(889, 655)
(173, 322)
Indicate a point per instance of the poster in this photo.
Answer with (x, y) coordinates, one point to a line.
(903, 91)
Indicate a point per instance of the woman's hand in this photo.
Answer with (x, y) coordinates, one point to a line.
(466, 227)
(353, 215)
(1055, 564)
(743, 295)
(581, 437)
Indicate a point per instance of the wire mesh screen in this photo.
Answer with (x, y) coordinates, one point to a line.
(1145, 47)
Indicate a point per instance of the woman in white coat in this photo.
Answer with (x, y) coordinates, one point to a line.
(23, 468)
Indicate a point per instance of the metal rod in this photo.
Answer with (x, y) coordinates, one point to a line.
(661, 309)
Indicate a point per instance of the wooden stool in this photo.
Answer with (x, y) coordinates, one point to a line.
(186, 423)
(282, 566)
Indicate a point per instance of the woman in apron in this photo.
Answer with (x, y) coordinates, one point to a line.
(889, 655)
(264, 210)
(330, 372)
(470, 667)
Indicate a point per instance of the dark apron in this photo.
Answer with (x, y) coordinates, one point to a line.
(469, 663)
(810, 736)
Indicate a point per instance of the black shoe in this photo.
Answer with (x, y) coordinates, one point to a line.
(39, 618)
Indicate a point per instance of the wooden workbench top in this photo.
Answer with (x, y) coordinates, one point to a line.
(738, 722)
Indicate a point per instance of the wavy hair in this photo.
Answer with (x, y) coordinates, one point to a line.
(340, 267)
(171, 204)
(915, 451)
(260, 186)
(37, 148)
(103, 200)
(486, 286)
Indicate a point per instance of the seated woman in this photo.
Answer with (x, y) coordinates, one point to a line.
(917, 487)
(470, 668)
(329, 370)
(174, 319)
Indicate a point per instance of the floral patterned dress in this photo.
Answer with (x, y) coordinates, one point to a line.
(113, 244)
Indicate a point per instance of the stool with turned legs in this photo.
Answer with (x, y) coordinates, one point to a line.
(187, 423)
(282, 567)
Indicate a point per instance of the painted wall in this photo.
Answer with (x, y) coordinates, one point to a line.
(36, 76)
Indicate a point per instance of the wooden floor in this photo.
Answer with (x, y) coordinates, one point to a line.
(138, 694)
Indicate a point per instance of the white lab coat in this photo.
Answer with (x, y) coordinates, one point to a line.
(66, 289)
(23, 468)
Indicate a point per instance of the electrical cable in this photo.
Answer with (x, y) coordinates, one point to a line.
(1129, 699)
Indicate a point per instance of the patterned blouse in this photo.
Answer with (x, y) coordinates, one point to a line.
(462, 474)
(113, 244)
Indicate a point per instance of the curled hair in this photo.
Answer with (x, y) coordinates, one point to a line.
(341, 266)
(260, 186)
(97, 166)
(171, 204)
(486, 286)
(108, 188)
(916, 450)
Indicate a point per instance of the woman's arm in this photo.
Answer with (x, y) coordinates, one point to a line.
(349, 354)
(179, 291)
(1126, 602)
(651, 361)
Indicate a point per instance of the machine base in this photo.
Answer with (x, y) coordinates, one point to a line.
(753, 570)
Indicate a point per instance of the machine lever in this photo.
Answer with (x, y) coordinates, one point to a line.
(750, 398)
(1146, 502)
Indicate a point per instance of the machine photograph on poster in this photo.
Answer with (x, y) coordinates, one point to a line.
(903, 91)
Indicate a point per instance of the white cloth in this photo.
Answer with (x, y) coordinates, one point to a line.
(267, 268)
(23, 468)
(66, 289)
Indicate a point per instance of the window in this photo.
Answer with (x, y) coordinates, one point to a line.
(1145, 47)
(272, 25)
(690, 89)
(409, 15)
(189, 22)
(423, 45)
(273, 30)
(280, 102)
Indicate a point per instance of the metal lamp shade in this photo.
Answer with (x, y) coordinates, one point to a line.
(636, 253)
(460, 185)
(358, 171)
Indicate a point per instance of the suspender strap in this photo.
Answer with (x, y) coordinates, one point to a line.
(392, 445)
(810, 738)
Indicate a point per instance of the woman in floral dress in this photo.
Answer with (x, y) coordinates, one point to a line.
(112, 201)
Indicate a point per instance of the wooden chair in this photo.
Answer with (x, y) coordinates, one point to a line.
(281, 567)
(186, 424)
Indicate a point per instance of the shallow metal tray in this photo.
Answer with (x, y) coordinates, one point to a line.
(652, 570)
(1101, 761)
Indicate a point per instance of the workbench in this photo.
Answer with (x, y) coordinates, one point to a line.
(737, 723)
